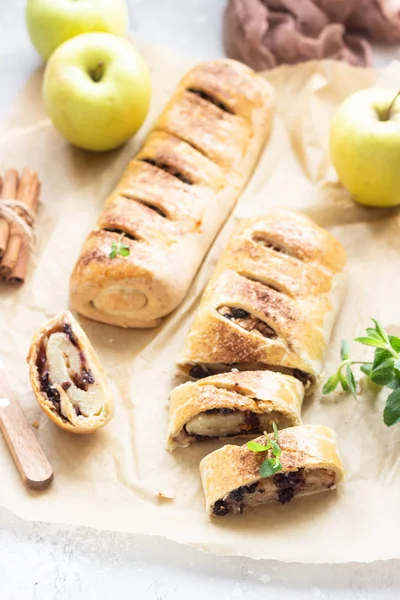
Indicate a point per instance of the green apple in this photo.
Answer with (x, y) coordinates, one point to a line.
(365, 146)
(52, 22)
(96, 90)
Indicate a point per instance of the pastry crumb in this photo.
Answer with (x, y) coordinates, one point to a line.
(166, 494)
(35, 424)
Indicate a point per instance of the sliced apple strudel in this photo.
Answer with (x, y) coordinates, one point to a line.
(310, 463)
(271, 302)
(67, 378)
(174, 196)
(233, 404)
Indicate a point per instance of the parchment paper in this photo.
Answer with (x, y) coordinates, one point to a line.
(111, 479)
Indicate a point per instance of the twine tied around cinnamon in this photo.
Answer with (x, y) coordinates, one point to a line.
(19, 200)
(10, 210)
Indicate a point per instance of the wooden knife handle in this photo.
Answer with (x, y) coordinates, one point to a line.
(32, 464)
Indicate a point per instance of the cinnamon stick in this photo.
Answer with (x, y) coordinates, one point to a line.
(15, 260)
(9, 190)
(32, 193)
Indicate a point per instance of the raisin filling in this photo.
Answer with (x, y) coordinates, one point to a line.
(199, 372)
(220, 411)
(281, 487)
(168, 168)
(302, 376)
(244, 319)
(288, 485)
(82, 380)
(221, 508)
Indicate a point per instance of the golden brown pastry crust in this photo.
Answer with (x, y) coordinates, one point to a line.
(174, 196)
(75, 423)
(284, 271)
(307, 447)
(259, 392)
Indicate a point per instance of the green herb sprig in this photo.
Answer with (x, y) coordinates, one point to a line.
(384, 370)
(119, 248)
(269, 466)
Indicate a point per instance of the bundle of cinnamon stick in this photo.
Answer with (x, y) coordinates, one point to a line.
(14, 243)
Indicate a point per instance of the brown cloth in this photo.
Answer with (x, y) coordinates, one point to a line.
(266, 33)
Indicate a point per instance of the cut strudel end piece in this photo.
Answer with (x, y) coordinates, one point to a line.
(233, 404)
(174, 197)
(310, 460)
(67, 378)
(271, 302)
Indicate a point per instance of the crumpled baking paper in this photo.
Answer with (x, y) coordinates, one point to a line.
(122, 478)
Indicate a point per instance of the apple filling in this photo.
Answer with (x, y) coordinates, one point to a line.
(225, 422)
(244, 319)
(65, 376)
(282, 487)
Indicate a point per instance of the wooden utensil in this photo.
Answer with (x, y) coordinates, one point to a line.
(31, 462)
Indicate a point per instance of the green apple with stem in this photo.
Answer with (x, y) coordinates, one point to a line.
(96, 90)
(52, 22)
(365, 146)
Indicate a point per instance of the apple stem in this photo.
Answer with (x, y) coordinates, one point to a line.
(389, 110)
(97, 73)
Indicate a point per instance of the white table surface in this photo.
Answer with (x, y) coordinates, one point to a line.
(43, 562)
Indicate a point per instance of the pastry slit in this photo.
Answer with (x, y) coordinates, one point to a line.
(211, 99)
(202, 370)
(246, 320)
(120, 232)
(168, 168)
(265, 240)
(189, 143)
(273, 286)
(148, 204)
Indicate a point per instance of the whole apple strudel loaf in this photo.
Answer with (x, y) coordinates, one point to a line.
(271, 302)
(174, 197)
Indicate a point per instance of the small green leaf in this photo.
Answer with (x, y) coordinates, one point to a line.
(275, 428)
(380, 356)
(351, 381)
(343, 382)
(124, 250)
(119, 248)
(373, 333)
(344, 350)
(276, 451)
(331, 384)
(113, 251)
(383, 373)
(366, 369)
(256, 447)
(384, 336)
(395, 383)
(394, 342)
(268, 468)
(391, 413)
(396, 367)
(369, 341)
